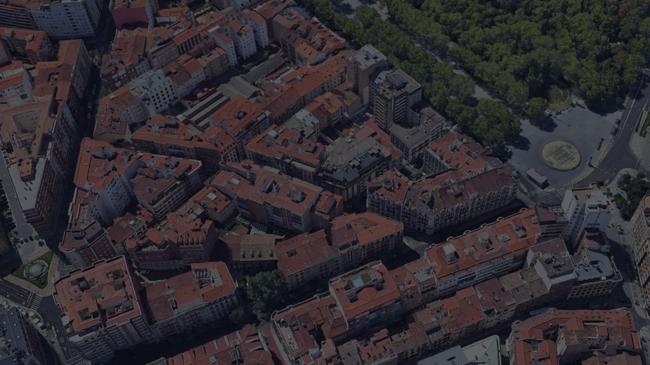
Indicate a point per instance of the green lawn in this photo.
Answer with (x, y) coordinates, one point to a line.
(40, 282)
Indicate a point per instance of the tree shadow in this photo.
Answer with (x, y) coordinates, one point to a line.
(546, 124)
(519, 142)
(345, 8)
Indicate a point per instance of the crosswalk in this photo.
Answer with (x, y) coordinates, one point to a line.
(34, 301)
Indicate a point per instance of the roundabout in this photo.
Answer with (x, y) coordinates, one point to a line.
(561, 155)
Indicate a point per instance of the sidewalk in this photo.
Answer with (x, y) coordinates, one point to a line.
(640, 146)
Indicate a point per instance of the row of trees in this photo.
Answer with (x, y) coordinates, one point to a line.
(489, 121)
(523, 48)
(635, 189)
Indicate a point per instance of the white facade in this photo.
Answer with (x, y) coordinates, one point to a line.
(156, 91)
(68, 18)
(224, 42)
(260, 30)
(584, 209)
(244, 39)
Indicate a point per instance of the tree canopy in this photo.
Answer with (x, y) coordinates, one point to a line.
(490, 122)
(521, 48)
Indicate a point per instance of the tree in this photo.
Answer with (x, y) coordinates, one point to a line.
(266, 291)
(536, 108)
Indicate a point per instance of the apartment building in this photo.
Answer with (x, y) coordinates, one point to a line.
(494, 250)
(185, 302)
(448, 199)
(266, 196)
(42, 110)
(313, 45)
(351, 161)
(577, 335)
(59, 19)
(258, 24)
(641, 244)
(155, 90)
(307, 257)
(586, 210)
(138, 12)
(393, 93)
(289, 151)
(21, 343)
(456, 151)
(108, 180)
(187, 235)
(127, 58)
(348, 241)
(105, 310)
(247, 344)
(31, 45)
(362, 69)
(367, 297)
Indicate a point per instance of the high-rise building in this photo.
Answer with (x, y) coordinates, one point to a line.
(393, 94)
(362, 67)
(586, 210)
(68, 19)
(641, 244)
(20, 343)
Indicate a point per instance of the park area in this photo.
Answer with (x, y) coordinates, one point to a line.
(36, 271)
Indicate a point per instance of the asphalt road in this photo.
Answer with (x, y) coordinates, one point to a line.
(620, 155)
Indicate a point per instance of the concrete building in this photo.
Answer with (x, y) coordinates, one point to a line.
(155, 90)
(20, 342)
(349, 241)
(432, 204)
(103, 312)
(494, 250)
(138, 12)
(362, 68)
(16, 14)
(255, 21)
(268, 197)
(486, 351)
(68, 19)
(596, 275)
(185, 236)
(455, 151)
(393, 93)
(411, 141)
(289, 151)
(576, 335)
(205, 294)
(641, 244)
(586, 210)
(350, 162)
(108, 180)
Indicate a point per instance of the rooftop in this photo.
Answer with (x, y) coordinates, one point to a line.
(100, 296)
(364, 290)
(206, 283)
(511, 235)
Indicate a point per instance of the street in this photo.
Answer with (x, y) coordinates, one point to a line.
(619, 155)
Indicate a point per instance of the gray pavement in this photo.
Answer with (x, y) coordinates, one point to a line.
(586, 130)
(620, 155)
